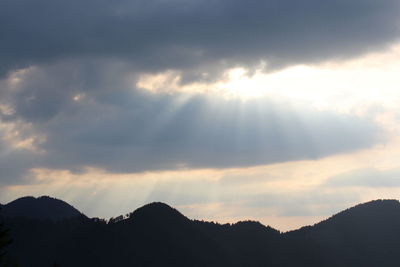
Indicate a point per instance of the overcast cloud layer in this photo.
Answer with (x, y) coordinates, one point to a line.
(68, 71)
(195, 36)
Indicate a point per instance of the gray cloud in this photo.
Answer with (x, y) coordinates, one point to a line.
(15, 163)
(15, 167)
(122, 129)
(366, 178)
(198, 136)
(194, 36)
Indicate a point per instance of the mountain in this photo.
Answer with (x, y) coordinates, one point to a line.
(157, 229)
(364, 235)
(159, 235)
(41, 208)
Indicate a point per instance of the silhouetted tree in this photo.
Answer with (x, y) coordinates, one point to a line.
(116, 219)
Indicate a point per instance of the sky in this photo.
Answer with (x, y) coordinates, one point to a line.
(280, 111)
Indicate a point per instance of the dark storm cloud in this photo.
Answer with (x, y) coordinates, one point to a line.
(119, 128)
(192, 35)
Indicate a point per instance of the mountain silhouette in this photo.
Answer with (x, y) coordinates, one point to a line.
(159, 235)
(43, 208)
(364, 235)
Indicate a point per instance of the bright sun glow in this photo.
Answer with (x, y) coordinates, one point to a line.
(372, 78)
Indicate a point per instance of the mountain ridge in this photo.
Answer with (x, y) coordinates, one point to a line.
(158, 208)
(159, 235)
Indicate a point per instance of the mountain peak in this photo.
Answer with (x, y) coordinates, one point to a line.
(384, 206)
(157, 211)
(41, 208)
(381, 202)
(158, 205)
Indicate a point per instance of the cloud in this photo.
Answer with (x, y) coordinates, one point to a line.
(193, 36)
(83, 114)
(372, 178)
